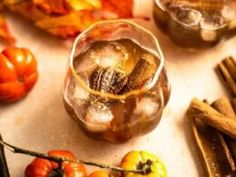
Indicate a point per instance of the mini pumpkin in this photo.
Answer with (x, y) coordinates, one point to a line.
(143, 160)
(18, 73)
(45, 168)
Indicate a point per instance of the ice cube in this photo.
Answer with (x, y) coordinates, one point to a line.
(98, 118)
(229, 12)
(147, 106)
(80, 92)
(210, 24)
(111, 54)
(212, 21)
(76, 92)
(84, 63)
(208, 35)
(185, 15)
(76, 98)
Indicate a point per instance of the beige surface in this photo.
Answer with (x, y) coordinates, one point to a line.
(39, 122)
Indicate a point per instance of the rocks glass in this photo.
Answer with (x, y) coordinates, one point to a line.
(196, 23)
(116, 85)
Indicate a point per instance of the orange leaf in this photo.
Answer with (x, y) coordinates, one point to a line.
(4, 31)
(53, 6)
(85, 4)
(123, 8)
(67, 18)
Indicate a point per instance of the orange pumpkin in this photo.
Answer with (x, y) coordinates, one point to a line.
(100, 173)
(18, 73)
(45, 168)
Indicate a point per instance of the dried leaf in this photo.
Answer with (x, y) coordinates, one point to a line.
(67, 18)
(122, 8)
(4, 31)
(53, 6)
(67, 25)
(85, 4)
(12, 2)
(28, 10)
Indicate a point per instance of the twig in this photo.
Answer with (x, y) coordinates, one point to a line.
(59, 160)
(15, 149)
(4, 172)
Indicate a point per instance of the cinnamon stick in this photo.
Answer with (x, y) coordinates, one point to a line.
(210, 116)
(230, 64)
(142, 72)
(224, 106)
(233, 102)
(227, 71)
(210, 142)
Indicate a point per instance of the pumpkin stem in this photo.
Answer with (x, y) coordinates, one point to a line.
(21, 79)
(56, 173)
(146, 167)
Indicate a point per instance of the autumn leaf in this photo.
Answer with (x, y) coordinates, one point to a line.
(53, 6)
(67, 18)
(5, 34)
(123, 8)
(85, 4)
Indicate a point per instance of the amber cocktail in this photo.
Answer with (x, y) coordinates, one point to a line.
(116, 85)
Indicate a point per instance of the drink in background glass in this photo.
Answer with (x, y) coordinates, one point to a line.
(196, 23)
(116, 85)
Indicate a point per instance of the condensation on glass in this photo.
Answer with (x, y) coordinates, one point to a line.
(196, 23)
(116, 85)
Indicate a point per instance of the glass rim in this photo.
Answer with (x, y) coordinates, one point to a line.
(157, 52)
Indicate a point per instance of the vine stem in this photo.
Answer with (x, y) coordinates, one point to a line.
(59, 160)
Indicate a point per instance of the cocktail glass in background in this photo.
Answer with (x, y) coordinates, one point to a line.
(196, 23)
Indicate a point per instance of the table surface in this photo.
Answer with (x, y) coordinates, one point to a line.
(40, 122)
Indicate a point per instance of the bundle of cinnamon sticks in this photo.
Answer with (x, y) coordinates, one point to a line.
(214, 125)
